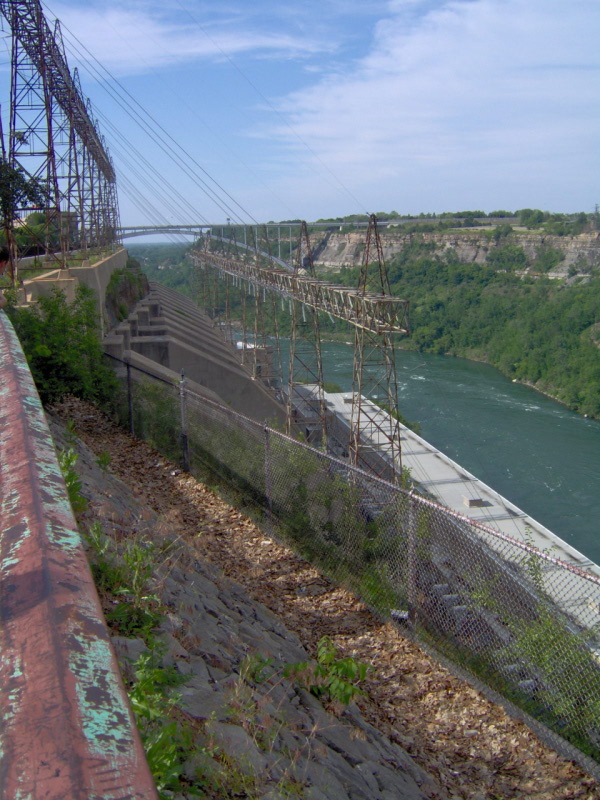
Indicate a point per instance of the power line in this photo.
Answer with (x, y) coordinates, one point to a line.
(217, 138)
(177, 200)
(157, 132)
(276, 111)
(172, 146)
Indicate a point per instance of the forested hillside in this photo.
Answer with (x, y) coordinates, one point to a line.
(165, 263)
(533, 328)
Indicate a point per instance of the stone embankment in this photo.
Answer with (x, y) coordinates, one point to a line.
(271, 734)
(241, 607)
(336, 250)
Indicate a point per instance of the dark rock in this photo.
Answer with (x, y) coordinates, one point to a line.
(204, 702)
(128, 651)
(238, 745)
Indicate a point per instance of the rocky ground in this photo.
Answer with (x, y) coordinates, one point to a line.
(242, 606)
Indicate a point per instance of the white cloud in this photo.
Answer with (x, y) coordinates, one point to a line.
(142, 37)
(498, 95)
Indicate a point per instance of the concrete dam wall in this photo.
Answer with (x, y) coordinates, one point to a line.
(168, 329)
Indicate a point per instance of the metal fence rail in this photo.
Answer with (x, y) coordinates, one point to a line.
(525, 622)
(67, 729)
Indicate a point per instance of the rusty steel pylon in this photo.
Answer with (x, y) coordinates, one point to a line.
(54, 140)
(306, 408)
(231, 289)
(226, 326)
(375, 314)
(259, 349)
(201, 279)
(266, 363)
(375, 430)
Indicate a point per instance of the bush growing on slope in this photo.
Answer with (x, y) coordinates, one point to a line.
(63, 348)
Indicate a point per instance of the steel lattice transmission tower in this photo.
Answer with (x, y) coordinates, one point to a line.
(53, 136)
(375, 314)
(265, 355)
(259, 351)
(305, 400)
(375, 430)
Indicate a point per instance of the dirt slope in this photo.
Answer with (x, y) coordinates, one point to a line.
(470, 746)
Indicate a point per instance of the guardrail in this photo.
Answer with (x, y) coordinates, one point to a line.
(67, 728)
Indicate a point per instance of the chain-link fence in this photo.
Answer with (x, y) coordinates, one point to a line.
(524, 622)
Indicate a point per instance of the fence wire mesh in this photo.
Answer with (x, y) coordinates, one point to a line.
(524, 622)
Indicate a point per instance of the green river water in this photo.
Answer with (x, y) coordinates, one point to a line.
(530, 449)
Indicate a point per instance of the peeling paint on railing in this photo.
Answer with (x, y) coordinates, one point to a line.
(66, 728)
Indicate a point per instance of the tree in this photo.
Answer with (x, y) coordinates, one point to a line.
(62, 346)
(501, 231)
(17, 190)
(547, 258)
(508, 257)
(531, 217)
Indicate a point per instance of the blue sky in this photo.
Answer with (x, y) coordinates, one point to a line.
(315, 109)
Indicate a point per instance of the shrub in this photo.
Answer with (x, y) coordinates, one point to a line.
(63, 348)
(331, 679)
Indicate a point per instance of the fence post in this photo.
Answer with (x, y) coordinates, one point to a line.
(185, 448)
(268, 482)
(411, 582)
(130, 399)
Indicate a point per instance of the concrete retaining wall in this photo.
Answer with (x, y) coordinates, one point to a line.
(169, 329)
(96, 277)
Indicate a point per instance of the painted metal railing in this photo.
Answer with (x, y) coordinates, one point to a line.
(67, 730)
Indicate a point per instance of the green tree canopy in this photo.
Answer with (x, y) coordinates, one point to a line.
(62, 346)
(18, 190)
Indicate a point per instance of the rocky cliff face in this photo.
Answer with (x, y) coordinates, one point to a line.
(336, 250)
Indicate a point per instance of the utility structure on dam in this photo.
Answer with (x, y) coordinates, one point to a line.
(371, 309)
(54, 159)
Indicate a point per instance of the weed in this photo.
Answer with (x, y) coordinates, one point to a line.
(331, 678)
(109, 575)
(70, 433)
(166, 742)
(103, 460)
(126, 575)
(232, 779)
(67, 460)
(95, 537)
(254, 668)
(131, 620)
(139, 562)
